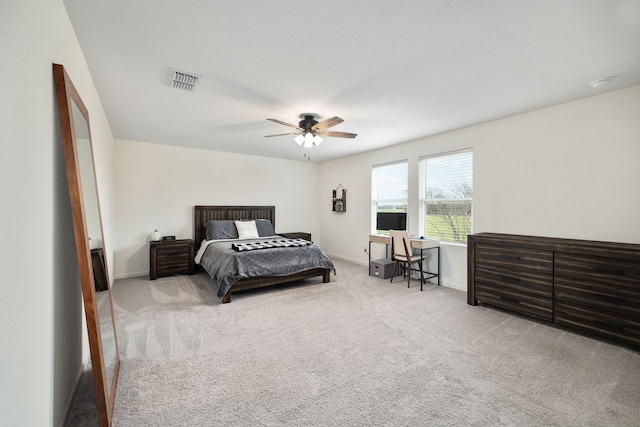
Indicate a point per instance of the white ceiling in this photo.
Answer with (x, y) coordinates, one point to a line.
(394, 70)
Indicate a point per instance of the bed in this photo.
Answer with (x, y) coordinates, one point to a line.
(234, 268)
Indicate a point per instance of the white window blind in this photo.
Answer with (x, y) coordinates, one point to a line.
(389, 189)
(446, 196)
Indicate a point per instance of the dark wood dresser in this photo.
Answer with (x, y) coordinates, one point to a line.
(589, 286)
(168, 257)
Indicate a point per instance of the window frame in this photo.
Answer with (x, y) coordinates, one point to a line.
(424, 201)
(375, 202)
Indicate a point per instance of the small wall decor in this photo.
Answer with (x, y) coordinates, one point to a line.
(339, 200)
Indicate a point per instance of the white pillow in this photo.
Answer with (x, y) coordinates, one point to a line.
(247, 230)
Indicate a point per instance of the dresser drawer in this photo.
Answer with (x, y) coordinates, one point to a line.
(623, 274)
(515, 281)
(172, 268)
(163, 261)
(515, 300)
(501, 259)
(606, 324)
(173, 251)
(597, 296)
(173, 258)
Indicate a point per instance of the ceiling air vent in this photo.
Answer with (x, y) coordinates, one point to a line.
(183, 80)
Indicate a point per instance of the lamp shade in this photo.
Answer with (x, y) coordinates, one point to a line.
(308, 140)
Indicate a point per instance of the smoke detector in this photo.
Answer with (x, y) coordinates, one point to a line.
(183, 80)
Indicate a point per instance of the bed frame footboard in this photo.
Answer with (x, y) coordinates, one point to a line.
(259, 282)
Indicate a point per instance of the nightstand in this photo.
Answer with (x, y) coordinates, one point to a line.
(167, 257)
(296, 235)
(99, 272)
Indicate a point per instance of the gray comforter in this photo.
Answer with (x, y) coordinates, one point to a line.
(226, 266)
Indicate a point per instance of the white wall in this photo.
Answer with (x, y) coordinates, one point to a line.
(157, 186)
(40, 298)
(566, 171)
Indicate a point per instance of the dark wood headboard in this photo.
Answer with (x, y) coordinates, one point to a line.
(203, 214)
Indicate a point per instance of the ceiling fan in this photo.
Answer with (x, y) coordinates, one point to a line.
(309, 130)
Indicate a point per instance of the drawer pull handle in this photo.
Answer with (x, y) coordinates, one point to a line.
(511, 257)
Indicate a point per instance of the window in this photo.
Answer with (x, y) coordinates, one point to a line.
(388, 189)
(446, 196)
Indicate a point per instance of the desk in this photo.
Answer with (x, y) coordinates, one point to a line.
(416, 243)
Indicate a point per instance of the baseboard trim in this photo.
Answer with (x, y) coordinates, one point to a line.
(65, 415)
(130, 275)
(355, 261)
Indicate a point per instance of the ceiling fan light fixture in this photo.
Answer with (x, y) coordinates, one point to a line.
(309, 130)
(308, 140)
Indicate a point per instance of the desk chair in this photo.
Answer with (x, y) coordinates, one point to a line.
(401, 252)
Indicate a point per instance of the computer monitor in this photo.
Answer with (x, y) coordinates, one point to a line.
(391, 221)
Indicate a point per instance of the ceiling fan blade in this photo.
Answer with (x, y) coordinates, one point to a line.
(283, 134)
(338, 134)
(286, 124)
(325, 124)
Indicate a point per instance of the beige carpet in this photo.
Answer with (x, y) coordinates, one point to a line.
(356, 352)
